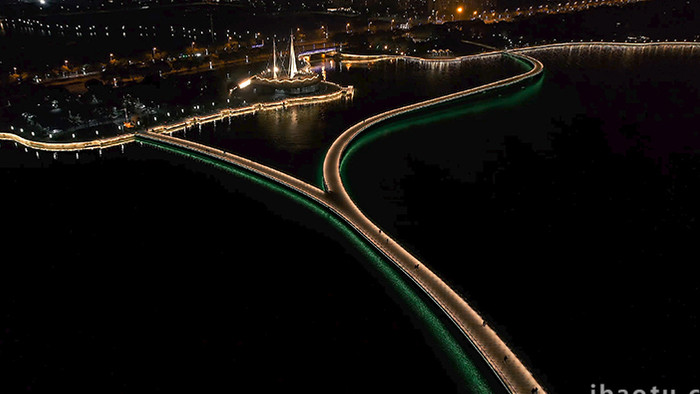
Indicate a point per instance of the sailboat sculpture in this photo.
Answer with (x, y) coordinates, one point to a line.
(289, 80)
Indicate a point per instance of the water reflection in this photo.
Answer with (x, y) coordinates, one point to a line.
(294, 140)
(598, 169)
(293, 130)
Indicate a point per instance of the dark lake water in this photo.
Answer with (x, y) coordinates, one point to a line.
(566, 212)
(151, 272)
(145, 266)
(580, 187)
(295, 140)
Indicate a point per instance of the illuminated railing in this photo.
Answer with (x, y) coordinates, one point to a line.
(360, 59)
(516, 378)
(296, 80)
(514, 375)
(607, 44)
(316, 51)
(341, 92)
(69, 146)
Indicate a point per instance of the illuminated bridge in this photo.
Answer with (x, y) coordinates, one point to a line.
(317, 51)
(513, 374)
(515, 377)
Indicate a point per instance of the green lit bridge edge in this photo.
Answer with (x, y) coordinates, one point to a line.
(450, 346)
(467, 371)
(127, 138)
(441, 111)
(380, 131)
(456, 108)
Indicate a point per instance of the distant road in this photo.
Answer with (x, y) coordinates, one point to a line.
(479, 44)
(141, 8)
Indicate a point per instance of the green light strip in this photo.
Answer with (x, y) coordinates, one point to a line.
(456, 109)
(468, 373)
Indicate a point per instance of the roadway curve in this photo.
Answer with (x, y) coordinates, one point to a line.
(502, 360)
(512, 373)
(507, 366)
(126, 138)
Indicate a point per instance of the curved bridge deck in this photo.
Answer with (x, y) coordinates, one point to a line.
(514, 375)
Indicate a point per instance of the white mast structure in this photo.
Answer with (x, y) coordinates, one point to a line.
(292, 57)
(274, 60)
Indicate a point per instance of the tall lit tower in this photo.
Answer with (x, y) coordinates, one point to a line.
(274, 60)
(292, 57)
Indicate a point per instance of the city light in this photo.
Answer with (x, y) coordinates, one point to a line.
(79, 108)
(245, 83)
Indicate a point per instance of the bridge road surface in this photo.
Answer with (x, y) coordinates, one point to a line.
(507, 366)
(498, 355)
(512, 372)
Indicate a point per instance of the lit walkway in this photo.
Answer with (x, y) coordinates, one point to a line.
(502, 360)
(69, 146)
(497, 354)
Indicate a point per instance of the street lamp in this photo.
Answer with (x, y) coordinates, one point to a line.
(154, 54)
